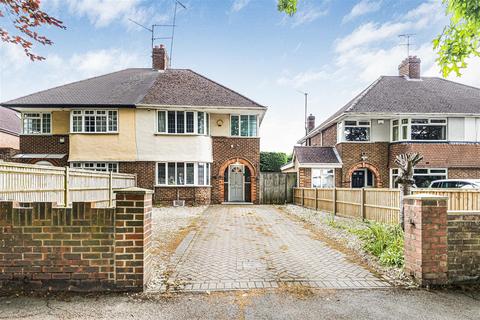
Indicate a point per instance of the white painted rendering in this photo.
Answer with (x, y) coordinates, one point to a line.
(165, 147)
(379, 130)
(220, 125)
(457, 129)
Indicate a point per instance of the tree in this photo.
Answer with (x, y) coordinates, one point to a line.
(459, 40)
(272, 161)
(26, 16)
(406, 163)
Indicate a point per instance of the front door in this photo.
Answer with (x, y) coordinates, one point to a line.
(358, 179)
(235, 180)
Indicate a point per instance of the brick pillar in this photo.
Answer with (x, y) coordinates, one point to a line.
(133, 223)
(426, 238)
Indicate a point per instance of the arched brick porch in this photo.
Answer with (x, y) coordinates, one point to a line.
(253, 177)
(369, 166)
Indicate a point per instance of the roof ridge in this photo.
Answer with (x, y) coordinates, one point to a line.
(461, 84)
(67, 84)
(225, 87)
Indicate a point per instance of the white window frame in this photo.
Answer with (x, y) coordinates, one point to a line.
(429, 173)
(94, 166)
(409, 128)
(81, 113)
(321, 176)
(206, 119)
(357, 125)
(248, 125)
(40, 117)
(206, 174)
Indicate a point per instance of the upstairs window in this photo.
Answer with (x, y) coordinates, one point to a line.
(429, 129)
(357, 130)
(182, 122)
(94, 121)
(244, 125)
(37, 123)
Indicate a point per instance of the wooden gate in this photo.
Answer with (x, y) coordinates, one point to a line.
(277, 187)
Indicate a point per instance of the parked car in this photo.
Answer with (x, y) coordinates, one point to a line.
(456, 184)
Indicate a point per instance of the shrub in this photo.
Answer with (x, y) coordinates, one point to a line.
(272, 161)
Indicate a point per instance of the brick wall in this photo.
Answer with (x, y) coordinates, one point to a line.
(80, 248)
(463, 247)
(329, 136)
(464, 173)
(377, 157)
(49, 144)
(191, 195)
(145, 171)
(229, 148)
(304, 177)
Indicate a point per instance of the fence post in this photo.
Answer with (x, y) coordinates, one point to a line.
(303, 197)
(334, 201)
(316, 199)
(110, 189)
(362, 201)
(66, 186)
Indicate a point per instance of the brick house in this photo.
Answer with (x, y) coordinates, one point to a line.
(395, 114)
(184, 135)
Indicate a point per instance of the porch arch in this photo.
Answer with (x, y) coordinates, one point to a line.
(369, 166)
(253, 177)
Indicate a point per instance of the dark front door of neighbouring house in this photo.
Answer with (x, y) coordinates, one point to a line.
(236, 183)
(358, 179)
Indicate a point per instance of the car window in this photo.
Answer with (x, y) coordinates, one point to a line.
(449, 184)
(435, 185)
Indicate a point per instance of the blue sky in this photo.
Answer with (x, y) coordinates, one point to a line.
(331, 48)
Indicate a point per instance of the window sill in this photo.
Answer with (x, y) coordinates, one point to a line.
(181, 186)
(36, 134)
(95, 133)
(180, 134)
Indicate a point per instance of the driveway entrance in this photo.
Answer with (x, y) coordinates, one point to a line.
(255, 247)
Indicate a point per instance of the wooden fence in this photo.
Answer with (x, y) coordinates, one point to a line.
(33, 183)
(277, 187)
(381, 205)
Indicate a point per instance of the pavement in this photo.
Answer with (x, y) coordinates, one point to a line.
(253, 304)
(240, 247)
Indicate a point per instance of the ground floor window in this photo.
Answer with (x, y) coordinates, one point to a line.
(183, 173)
(423, 177)
(96, 166)
(323, 178)
(363, 178)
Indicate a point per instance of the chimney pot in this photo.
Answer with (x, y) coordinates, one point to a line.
(159, 58)
(310, 123)
(410, 67)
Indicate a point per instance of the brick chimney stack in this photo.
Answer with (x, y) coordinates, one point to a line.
(310, 123)
(410, 67)
(159, 58)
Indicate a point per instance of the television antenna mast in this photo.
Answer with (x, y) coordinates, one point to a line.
(408, 44)
(305, 94)
(172, 26)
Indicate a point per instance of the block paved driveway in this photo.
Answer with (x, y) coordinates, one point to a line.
(248, 247)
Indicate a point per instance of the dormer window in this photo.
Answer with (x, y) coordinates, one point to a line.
(357, 130)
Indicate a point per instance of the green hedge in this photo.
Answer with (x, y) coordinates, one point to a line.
(272, 161)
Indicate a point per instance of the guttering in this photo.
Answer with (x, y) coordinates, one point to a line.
(320, 165)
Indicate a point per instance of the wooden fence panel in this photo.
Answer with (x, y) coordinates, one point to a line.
(34, 183)
(459, 200)
(349, 202)
(298, 196)
(325, 199)
(277, 187)
(382, 205)
(309, 198)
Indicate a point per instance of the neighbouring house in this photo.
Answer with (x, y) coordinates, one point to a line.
(437, 118)
(184, 135)
(10, 127)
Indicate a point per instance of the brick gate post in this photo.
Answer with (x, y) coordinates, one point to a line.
(426, 247)
(133, 223)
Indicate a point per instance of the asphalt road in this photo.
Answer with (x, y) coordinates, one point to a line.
(279, 304)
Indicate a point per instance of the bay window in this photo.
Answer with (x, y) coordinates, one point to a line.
(96, 166)
(244, 125)
(323, 178)
(94, 121)
(37, 123)
(357, 130)
(422, 176)
(183, 173)
(182, 122)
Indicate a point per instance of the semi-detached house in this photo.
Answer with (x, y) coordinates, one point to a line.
(183, 135)
(357, 146)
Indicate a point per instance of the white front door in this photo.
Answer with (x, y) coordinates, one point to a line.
(236, 183)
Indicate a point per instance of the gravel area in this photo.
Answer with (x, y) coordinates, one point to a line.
(170, 225)
(322, 222)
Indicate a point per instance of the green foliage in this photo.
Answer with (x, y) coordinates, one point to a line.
(287, 6)
(272, 161)
(461, 38)
(383, 241)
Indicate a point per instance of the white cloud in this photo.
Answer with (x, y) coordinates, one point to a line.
(301, 79)
(239, 5)
(307, 15)
(362, 8)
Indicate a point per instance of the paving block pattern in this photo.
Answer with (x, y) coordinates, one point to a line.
(256, 247)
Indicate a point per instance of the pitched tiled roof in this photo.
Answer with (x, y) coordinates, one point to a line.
(394, 94)
(138, 86)
(9, 121)
(315, 154)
